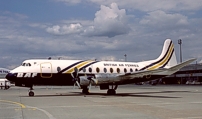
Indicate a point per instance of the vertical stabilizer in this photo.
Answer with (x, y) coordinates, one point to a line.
(167, 58)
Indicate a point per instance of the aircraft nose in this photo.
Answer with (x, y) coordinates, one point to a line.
(11, 76)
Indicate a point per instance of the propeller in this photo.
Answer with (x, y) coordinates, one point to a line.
(92, 80)
(75, 77)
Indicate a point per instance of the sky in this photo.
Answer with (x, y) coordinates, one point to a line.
(98, 29)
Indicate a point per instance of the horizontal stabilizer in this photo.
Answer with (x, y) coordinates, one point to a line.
(179, 66)
(156, 71)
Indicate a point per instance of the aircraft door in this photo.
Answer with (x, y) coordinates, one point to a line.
(46, 70)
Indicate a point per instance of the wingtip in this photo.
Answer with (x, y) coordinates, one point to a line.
(192, 59)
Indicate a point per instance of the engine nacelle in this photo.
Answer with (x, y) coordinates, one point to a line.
(84, 81)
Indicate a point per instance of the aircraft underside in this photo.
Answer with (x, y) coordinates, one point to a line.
(67, 80)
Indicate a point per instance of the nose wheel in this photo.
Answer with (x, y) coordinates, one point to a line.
(31, 93)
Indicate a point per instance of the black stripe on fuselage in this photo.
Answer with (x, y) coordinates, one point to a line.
(65, 69)
(152, 64)
(88, 65)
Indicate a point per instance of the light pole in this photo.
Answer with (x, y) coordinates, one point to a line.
(180, 43)
(125, 57)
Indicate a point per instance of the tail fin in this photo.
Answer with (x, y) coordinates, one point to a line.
(167, 58)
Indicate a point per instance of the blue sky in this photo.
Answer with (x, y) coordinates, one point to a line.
(97, 29)
(48, 10)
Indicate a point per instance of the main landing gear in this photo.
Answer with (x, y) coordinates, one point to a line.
(31, 93)
(112, 91)
(85, 90)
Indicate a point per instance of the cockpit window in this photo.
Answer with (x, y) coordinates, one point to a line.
(26, 64)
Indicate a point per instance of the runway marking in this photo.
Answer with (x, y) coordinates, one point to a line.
(135, 103)
(167, 103)
(188, 118)
(44, 111)
(33, 108)
(23, 106)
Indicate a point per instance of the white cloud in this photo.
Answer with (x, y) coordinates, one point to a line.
(69, 1)
(161, 20)
(140, 37)
(109, 21)
(153, 5)
(65, 29)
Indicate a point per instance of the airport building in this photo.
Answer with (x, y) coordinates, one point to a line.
(190, 74)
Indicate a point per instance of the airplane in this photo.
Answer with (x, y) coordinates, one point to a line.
(86, 73)
(3, 81)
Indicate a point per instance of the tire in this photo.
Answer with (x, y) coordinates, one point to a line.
(31, 93)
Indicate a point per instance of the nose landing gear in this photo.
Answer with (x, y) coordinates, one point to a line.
(31, 93)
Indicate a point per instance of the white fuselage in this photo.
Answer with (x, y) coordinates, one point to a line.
(61, 71)
(85, 73)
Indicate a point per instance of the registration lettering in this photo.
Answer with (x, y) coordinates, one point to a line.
(26, 75)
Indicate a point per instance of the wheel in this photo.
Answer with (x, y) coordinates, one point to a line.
(7, 87)
(111, 92)
(85, 91)
(31, 93)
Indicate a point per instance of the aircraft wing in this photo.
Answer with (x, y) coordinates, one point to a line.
(179, 66)
(150, 72)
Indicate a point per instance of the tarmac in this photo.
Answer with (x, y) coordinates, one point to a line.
(130, 102)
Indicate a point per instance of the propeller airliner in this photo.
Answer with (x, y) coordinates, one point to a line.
(86, 73)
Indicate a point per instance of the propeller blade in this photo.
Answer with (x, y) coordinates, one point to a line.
(75, 77)
(75, 72)
(72, 75)
(74, 85)
(90, 85)
(78, 84)
(95, 80)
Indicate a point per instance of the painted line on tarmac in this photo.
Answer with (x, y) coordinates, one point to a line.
(6, 101)
(23, 106)
(188, 118)
(44, 111)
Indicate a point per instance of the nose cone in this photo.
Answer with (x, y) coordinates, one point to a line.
(11, 76)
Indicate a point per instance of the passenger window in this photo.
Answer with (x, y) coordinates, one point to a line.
(105, 70)
(118, 70)
(90, 69)
(97, 70)
(111, 70)
(136, 69)
(58, 69)
(131, 70)
(125, 70)
(84, 69)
